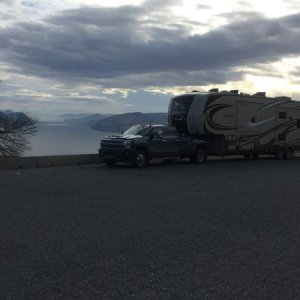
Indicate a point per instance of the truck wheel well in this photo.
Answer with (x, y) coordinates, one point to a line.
(145, 149)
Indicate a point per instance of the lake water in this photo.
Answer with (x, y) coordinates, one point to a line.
(61, 139)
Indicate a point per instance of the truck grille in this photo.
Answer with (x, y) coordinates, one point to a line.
(112, 145)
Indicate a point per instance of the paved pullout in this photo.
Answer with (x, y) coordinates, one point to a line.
(223, 230)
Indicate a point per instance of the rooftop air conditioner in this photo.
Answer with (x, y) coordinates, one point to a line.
(260, 94)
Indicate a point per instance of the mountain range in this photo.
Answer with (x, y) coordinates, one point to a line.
(106, 122)
(8, 117)
(84, 119)
(121, 122)
(11, 115)
(115, 122)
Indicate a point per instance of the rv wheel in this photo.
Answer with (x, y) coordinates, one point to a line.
(199, 156)
(280, 154)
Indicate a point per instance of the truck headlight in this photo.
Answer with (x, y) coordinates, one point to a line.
(127, 144)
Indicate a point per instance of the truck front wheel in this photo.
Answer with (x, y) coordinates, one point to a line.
(199, 156)
(140, 159)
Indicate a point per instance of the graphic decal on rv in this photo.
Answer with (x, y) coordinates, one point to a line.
(253, 123)
(211, 111)
(284, 128)
(271, 105)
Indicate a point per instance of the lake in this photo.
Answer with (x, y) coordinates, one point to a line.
(62, 139)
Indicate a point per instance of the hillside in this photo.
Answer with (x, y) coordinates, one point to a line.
(118, 123)
(9, 115)
(84, 119)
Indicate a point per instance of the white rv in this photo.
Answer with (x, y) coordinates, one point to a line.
(238, 123)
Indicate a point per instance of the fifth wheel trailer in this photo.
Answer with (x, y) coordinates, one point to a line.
(238, 123)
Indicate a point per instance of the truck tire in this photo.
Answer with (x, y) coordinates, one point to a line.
(140, 159)
(199, 156)
(280, 154)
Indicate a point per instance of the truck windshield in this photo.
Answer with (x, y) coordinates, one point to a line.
(137, 130)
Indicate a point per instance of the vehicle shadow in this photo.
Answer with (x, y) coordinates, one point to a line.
(211, 160)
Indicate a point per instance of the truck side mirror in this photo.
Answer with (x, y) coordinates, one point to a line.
(159, 134)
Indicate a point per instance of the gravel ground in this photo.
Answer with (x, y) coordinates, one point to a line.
(228, 229)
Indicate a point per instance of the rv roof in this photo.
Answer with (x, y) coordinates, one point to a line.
(235, 93)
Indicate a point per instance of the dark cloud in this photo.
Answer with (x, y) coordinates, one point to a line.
(115, 43)
(10, 2)
(158, 5)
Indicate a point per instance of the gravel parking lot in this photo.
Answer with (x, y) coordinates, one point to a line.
(228, 229)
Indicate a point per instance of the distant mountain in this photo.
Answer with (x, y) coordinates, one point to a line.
(118, 123)
(8, 116)
(7, 111)
(84, 119)
(13, 115)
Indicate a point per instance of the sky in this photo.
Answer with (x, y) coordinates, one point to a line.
(117, 56)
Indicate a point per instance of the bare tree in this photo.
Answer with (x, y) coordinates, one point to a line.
(15, 131)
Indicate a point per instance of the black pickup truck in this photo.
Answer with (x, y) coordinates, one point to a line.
(141, 143)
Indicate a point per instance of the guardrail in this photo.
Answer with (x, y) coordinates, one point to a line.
(12, 163)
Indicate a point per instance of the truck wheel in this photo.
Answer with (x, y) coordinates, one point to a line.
(140, 159)
(280, 154)
(199, 156)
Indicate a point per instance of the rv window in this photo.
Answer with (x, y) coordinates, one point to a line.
(298, 123)
(182, 103)
(282, 115)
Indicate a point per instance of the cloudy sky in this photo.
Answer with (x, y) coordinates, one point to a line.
(74, 56)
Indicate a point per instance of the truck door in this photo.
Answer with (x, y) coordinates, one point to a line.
(157, 144)
(172, 144)
(164, 144)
